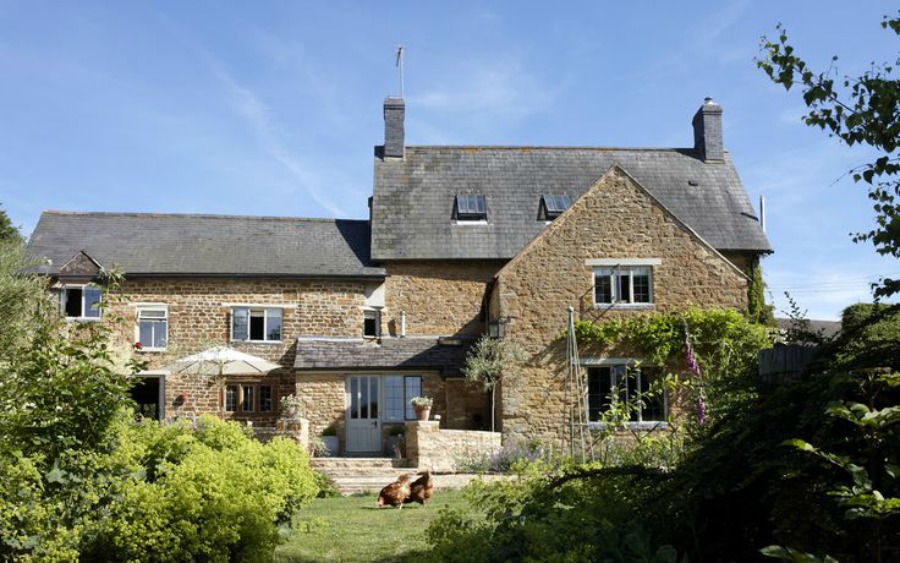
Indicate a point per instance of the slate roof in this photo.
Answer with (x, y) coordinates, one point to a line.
(390, 353)
(827, 329)
(414, 197)
(163, 244)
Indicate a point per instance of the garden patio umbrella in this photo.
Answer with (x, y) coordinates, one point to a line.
(222, 360)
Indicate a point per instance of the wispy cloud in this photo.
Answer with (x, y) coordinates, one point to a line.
(258, 115)
(499, 92)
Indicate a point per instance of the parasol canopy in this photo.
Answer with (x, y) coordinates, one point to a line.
(222, 360)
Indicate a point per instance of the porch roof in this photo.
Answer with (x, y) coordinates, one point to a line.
(320, 354)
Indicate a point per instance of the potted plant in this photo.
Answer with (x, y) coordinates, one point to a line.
(422, 406)
(330, 440)
(291, 407)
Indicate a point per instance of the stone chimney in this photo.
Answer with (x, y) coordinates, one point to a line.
(708, 132)
(394, 113)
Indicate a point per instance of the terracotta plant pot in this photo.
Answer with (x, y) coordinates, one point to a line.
(422, 413)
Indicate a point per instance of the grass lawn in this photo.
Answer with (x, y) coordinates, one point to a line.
(355, 529)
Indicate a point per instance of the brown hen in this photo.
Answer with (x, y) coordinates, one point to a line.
(396, 493)
(421, 489)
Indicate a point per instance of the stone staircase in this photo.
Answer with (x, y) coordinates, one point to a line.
(361, 474)
(354, 475)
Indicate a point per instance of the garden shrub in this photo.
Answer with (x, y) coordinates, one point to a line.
(210, 492)
(81, 480)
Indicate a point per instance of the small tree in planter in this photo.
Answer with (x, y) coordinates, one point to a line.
(485, 363)
(423, 406)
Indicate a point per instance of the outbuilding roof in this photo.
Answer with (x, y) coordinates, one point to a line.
(215, 245)
(414, 197)
(388, 353)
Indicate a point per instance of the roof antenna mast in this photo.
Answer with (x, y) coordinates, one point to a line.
(399, 64)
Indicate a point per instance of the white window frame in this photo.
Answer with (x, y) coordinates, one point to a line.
(250, 310)
(145, 347)
(64, 298)
(616, 269)
(619, 366)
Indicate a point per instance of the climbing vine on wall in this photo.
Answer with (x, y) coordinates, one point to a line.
(725, 345)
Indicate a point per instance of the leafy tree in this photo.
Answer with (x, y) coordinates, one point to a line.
(485, 365)
(857, 110)
(8, 231)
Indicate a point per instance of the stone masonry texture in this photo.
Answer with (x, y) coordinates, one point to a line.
(439, 297)
(615, 219)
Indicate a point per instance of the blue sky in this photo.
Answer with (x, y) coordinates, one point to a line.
(273, 108)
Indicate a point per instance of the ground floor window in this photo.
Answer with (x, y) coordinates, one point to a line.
(148, 394)
(611, 387)
(247, 398)
(398, 390)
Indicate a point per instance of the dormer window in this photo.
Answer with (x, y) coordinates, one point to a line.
(470, 207)
(553, 205)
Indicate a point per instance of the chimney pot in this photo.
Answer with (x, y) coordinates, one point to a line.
(707, 124)
(394, 115)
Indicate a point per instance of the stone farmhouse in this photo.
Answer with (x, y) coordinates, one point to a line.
(362, 315)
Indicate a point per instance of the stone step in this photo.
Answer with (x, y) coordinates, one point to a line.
(355, 467)
(374, 483)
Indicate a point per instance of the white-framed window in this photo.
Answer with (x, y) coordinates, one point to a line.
(80, 301)
(248, 398)
(623, 285)
(152, 329)
(256, 324)
(398, 390)
(623, 282)
(611, 386)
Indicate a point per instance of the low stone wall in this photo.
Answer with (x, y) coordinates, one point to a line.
(295, 429)
(430, 447)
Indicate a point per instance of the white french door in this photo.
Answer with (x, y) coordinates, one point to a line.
(363, 425)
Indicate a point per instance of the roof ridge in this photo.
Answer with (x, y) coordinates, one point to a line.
(552, 147)
(202, 216)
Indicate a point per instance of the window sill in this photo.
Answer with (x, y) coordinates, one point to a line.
(84, 319)
(470, 222)
(152, 351)
(625, 306)
(645, 426)
(272, 342)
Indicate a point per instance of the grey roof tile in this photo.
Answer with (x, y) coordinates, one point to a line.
(164, 244)
(390, 353)
(413, 197)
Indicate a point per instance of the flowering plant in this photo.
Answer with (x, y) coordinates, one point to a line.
(421, 402)
(138, 346)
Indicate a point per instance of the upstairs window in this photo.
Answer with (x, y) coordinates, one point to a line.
(623, 285)
(371, 324)
(153, 327)
(554, 205)
(256, 324)
(81, 302)
(471, 207)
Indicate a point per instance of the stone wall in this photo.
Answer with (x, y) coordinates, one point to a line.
(199, 319)
(615, 219)
(430, 447)
(439, 297)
